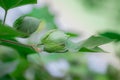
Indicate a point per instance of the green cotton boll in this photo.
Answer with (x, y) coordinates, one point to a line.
(53, 47)
(8, 54)
(54, 41)
(58, 36)
(26, 24)
(55, 36)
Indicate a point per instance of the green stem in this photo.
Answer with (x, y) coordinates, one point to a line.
(5, 17)
(16, 43)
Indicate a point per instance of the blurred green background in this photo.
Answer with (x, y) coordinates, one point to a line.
(85, 17)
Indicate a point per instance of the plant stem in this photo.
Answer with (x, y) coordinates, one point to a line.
(16, 43)
(5, 17)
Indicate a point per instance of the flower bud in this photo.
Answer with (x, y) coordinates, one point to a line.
(54, 41)
(27, 25)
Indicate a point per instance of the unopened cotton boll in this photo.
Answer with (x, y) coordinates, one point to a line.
(54, 41)
(26, 24)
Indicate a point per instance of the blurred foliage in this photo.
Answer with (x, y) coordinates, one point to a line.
(116, 37)
(104, 8)
(113, 73)
(8, 32)
(43, 13)
(93, 4)
(112, 35)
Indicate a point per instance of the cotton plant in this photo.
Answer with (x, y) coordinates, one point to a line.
(41, 36)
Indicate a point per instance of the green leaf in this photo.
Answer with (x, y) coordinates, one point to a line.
(84, 46)
(43, 13)
(111, 35)
(8, 32)
(95, 41)
(8, 4)
(6, 77)
(19, 72)
(23, 50)
(91, 44)
(96, 49)
(72, 34)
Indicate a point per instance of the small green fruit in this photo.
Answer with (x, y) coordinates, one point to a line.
(54, 41)
(26, 24)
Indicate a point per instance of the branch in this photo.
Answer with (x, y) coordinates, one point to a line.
(5, 17)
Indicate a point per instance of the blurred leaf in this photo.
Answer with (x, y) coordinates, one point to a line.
(8, 54)
(55, 56)
(96, 49)
(8, 4)
(101, 77)
(95, 41)
(42, 74)
(111, 35)
(72, 34)
(79, 70)
(44, 14)
(6, 77)
(117, 49)
(0, 21)
(23, 50)
(7, 67)
(89, 45)
(8, 32)
(19, 72)
(93, 4)
(113, 73)
(34, 58)
(39, 72)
